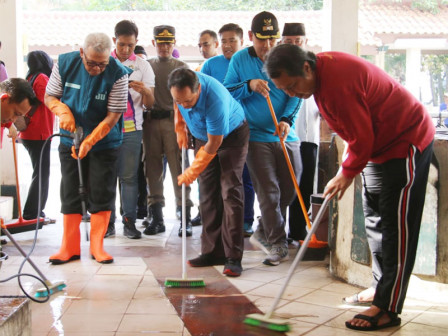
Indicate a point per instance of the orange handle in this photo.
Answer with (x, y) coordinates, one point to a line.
(288, 161)
(19, 205)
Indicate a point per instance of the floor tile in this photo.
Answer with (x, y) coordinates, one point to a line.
(85, 306)
(244, 286)
(327, 331)
(272, 290)
(308, 312)
(92, 323)
(323, 298)
(151, 306)
(415, 329)
(433, 317)
(146, 323)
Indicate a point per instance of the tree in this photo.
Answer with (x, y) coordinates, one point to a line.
(198, 5)
(432, 6)
(437, 66)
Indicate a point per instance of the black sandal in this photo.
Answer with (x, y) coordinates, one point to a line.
(373, 320)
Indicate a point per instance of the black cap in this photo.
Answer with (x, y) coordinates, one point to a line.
(164, 34)
(265, 26)
(294, 29)
(140, 50)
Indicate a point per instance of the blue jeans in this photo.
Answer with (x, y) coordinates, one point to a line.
(128, 162)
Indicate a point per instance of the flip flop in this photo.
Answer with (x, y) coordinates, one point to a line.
(355, 301)
(373, 320)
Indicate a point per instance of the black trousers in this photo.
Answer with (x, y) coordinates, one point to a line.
(297, 222)
(34, 148)
(99, 169)
(398, 207)
(222, 196)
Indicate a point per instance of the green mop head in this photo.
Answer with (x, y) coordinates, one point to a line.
(259, 320)
(53, 287)
(184, 283)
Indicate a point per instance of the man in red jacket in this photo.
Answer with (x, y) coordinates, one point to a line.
(382, 124)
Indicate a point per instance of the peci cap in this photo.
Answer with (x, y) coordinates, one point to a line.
(294, 29)
(139, 50)
(164, 34)
(265, 26)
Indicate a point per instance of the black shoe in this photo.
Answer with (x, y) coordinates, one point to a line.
(129, 229)
(197, 220)
(153, 229)
(232, 267)
(110, 230)
(179, 212)
(156, 225)
(205, 260)
(188, 230)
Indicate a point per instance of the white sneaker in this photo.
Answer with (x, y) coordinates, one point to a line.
(276, 255)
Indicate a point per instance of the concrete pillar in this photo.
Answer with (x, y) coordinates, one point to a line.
(380, 59)
(413, 66)
(340, 22)
(11, 36)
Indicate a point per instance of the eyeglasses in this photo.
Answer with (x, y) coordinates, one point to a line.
(92, 64)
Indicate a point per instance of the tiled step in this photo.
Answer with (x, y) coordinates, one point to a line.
(15, 316)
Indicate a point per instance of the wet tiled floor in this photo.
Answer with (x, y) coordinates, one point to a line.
(128, 297)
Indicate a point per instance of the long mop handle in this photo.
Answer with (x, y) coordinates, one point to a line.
(184, 222)
(299, 256)
(288, 161)
(19, 205)
(82, 193)
(18, 247)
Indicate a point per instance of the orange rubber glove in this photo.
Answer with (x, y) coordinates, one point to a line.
(180, 127)
(66, 119)
(97, 134)
(200, 162)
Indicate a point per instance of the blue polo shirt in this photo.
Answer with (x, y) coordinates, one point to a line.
(216, 67)
(245, 66)
(216, 112)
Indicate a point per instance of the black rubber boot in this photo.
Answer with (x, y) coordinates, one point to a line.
(188, 226)
(129, 229)
(156, 225)
(148, 218)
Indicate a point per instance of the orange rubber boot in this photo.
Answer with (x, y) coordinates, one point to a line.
(98, 227)
(71, 241)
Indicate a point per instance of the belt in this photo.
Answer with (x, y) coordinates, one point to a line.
(160, 114)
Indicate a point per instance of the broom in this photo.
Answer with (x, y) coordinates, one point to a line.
(277, 324)
(21, 225)
(51, 287)
(319, 248)
(184, 281)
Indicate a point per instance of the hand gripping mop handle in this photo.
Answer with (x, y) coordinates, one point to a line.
(299, 255)
(288, 161)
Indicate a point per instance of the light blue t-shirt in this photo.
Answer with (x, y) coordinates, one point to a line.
(245, 66)
(216, 112)
(216, 67)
